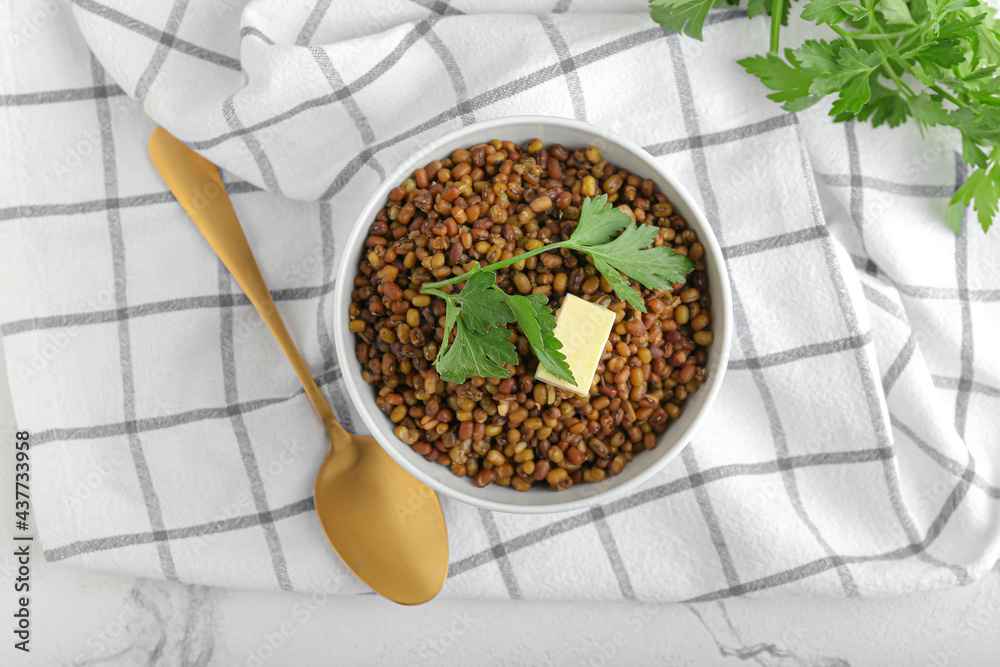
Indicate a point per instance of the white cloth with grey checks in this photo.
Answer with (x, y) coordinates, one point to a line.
(854, 448)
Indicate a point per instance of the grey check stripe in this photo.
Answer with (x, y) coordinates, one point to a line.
(917, 548)
(161, 51)
(868, 380)
(510, 89)
(491, 97)
(438, 7)
(117, 240)
(485, 99)
(905, 189)
(562, 6)
(967, 354)
(358, 84)
(568, 66)
(55, 96)
(898, 365)
(154, 308)
(962, 281)
(869, 383)
(350, 104)
(500, 555)
(92, 205)
(157, 35)
(312, 22)
(176, 419)
(340, 404)
(614, 555)
(977, 387)
(253, 145)
(250, 31)
(704, 501)
(721, 137)
(667, 490)
(802, 352)
(948, 293)
(454, 73)
(247, 454)
(512, 545)
(885, 303)
(925, 291)
(810, 569)
(743, 331)
(215, 527)
(952, 466)
(857, 192)
(774, 242)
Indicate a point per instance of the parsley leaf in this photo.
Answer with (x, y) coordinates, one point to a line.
(477, 354)
(819, 56)
(944, 53)
(833, 12)
(928, 110)
(885, 106)
(896, 12)
(936, 61)
(627, 253)
(684, 16)
(621, 285)
(757, 7)
(599, 221)
(853, 96)
(537, 322)
(483, 306)
(655, 267)
(790, 82)
(982, 190)
(852, 65)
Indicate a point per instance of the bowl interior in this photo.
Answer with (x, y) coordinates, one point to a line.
(619, 152)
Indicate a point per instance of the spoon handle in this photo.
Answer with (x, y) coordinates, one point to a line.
(199, 189)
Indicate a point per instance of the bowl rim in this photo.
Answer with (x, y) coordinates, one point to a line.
(347, 359)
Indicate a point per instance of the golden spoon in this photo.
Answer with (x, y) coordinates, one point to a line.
(386, 526)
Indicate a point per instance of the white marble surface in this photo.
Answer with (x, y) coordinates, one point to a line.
(82, 617)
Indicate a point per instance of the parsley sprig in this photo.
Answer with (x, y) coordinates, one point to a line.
(479, 312)
(932, 61)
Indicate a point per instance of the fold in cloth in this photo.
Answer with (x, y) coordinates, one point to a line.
(854, 446)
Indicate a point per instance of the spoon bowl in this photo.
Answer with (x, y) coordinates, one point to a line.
(386, 526)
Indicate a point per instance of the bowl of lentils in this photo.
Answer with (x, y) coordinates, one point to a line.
(487, 194)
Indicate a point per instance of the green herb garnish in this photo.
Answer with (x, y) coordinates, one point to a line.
(477, 314)
(935, 61)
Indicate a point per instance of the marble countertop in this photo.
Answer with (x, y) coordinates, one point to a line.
(83, 618)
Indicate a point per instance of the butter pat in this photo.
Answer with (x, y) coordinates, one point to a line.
(583, 328)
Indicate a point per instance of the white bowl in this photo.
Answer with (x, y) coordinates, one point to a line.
(619, 152)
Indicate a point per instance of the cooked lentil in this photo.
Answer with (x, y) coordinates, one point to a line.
(494, 201)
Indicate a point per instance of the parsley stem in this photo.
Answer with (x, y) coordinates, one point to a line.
(880, 35)
(776, 9)
(847, 35)
(435, 292)
(497, 265)
(895, 77)
(945, 94)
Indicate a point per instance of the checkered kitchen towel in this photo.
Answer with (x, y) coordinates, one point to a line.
(853, 450)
